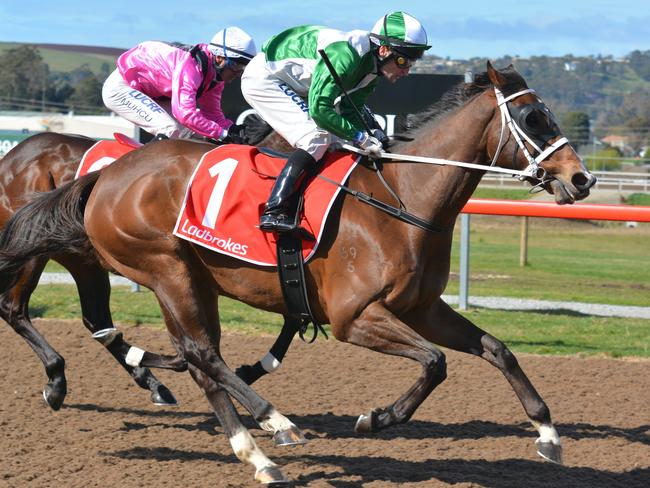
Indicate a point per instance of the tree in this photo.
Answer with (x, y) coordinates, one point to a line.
(640, 62)
(607, 159)
(637, 128)
(23, 76)
(87, 96)
(575, 126)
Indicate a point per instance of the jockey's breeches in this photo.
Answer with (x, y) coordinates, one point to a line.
(138, 108)
(283, 108)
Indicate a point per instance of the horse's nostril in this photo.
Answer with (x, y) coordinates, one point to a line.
(583, 181)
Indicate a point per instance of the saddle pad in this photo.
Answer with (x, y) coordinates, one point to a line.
(101, 154)
(226, 195)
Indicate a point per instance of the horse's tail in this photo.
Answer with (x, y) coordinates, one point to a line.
(52, 223)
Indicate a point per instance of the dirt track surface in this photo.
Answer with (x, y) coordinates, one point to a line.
(470, 432)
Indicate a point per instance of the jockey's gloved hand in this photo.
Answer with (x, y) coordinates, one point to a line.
(381, 136)
(236, 135)
(368, 143)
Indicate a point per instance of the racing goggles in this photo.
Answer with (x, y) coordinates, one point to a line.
(402, 61)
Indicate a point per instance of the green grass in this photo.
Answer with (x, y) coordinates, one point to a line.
(66, 61)
(556, 332)
(565, 332)
(568, 261)
(502, 193)
(638, 199)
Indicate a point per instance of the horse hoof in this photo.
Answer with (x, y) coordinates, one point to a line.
(54, 396)
(162, 397)
(549, 451)
(366, 423)
(289, 437)
(271, 475)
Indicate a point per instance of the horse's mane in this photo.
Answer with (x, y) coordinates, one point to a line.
(455, 97)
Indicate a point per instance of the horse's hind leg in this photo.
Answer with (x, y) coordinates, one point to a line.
(378, 329)
(446, 327)
(191, 315)
(14, 309)
(94, 293)
(192, 320)
(273, 359)
(243, 444)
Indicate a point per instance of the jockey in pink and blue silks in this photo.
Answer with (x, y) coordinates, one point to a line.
(166, 88)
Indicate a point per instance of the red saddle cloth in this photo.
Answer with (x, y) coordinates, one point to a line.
(226, 195)
(104, 152)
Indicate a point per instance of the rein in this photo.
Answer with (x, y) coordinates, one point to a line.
(533, 170)
(398, 213)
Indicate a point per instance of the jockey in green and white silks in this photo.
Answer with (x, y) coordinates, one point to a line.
(291, 87)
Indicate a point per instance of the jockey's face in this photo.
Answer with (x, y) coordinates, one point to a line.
(228, 73)
(392, 70)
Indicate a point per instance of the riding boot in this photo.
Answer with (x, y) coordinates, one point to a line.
(280, 212)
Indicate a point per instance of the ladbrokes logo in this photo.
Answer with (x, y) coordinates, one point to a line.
(204, 235)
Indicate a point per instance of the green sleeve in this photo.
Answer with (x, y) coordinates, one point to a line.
(359, 98)
(324, 90)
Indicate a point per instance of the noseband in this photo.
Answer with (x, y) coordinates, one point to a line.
(536, 139)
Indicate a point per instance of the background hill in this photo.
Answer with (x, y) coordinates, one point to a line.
(600, 102)
(66, 57)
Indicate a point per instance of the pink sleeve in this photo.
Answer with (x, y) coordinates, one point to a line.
(185, 84)
(211, 106)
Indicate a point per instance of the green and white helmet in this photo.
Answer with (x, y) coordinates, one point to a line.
(401, 32)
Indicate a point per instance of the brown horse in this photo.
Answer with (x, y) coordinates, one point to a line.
(42, 163)
(377, 281)
(38, 164)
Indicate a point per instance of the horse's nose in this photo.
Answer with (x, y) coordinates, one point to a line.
(583, 180)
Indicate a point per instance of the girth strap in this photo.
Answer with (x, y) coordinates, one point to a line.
(292, 282)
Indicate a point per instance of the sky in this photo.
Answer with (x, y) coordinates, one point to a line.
(456, 29)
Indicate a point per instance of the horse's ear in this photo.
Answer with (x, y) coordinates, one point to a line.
(495, 77)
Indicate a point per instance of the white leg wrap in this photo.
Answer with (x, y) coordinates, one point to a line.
(247, 451)
(276, 422)
(547, 433)
(134, 356)
(269, 363)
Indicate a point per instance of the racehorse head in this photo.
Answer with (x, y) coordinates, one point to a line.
(525, 135)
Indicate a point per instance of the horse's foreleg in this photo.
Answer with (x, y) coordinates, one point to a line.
(243, 444)
(446, 327)
(94, 293)
(378, 329)
(273, 359)
(14, 310)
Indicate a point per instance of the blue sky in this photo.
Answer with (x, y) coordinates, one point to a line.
(458, 29)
